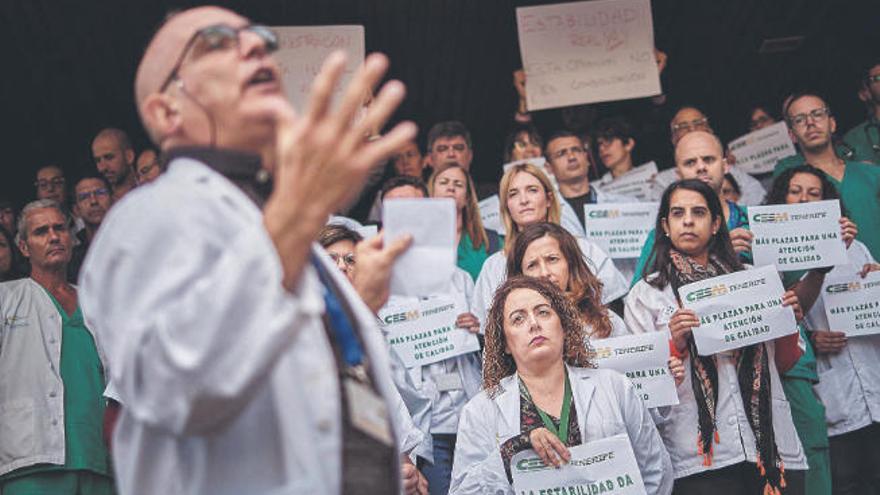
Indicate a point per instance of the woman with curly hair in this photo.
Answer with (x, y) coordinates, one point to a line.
(541, 392)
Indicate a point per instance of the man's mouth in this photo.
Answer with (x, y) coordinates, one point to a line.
(263, 77)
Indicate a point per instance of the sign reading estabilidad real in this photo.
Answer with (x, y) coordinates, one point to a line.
(587, 52)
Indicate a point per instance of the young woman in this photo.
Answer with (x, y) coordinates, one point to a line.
(475, 243)
(845, 373)
(527, 198)
(732, 431)
(540, 393)
(522, 143)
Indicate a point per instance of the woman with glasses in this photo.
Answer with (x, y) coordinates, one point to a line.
(844, 372)
(527, 197)
(475, 244)
(732, 432)
(522, 143)
(540, 392)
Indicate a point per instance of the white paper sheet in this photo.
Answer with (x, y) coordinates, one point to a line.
(759, 151)
(852, 304)
(490, 214)
(426, 267)
(637, 183)
(586, 52)
(620, 229)
(797, 237)
(643, 358)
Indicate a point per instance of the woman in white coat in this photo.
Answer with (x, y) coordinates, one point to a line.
(526, 198)
(723, 437)
(536, 360)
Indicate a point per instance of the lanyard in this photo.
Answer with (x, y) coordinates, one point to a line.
(562, 432)
(340, 324)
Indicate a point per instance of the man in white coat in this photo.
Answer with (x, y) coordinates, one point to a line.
(245, 362)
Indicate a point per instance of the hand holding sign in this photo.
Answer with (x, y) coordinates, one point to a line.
(548, 447)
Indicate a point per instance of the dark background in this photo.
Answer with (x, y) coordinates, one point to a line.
(69, 65)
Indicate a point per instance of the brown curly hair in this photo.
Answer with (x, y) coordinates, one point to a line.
(497, 364)
(584, 288)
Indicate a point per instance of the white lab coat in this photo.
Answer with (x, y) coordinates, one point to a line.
(753, 192)
(648, 309)
(432, 410)
(494, 272)
(227, 380)
(606, 405)
(849, 381)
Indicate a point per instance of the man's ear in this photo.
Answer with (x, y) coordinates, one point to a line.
(161, 116)
(22, 246)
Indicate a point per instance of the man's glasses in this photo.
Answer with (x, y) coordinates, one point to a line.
(702, 123)
(44, 185)
(348, 259)
(873, 79)
(818, 115)
(97, 193)
(219, 37)
(574, 150)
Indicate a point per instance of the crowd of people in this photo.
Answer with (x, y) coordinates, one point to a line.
(186, 319)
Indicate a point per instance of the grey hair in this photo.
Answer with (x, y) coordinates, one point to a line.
(39, 204)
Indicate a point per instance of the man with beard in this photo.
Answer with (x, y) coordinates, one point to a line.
(865, 137)
(114, 158)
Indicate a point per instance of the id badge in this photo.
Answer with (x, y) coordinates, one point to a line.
(448, 381)
(368, 411)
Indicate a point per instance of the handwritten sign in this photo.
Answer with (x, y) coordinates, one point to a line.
(607, 465)
(303, 49)
(798, 236)
(738, 309)
(852, 304)
(637, 183)
(490, 214)
(643, 358)
(758, 152)
(586, 52)
(620, 229)
(423, 332)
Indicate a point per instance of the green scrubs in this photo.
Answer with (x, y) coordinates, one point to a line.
(862, 139)
(471, 260)
(86, 469)
(860, 192)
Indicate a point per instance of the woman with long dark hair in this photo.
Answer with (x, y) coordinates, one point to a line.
(732, 431)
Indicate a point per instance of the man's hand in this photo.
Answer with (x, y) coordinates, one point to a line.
(322, 158)
(681, 325)
(469, 322)
(741, 239)
(829, 342)
(374, 263)
(413, 481)
(548, 447)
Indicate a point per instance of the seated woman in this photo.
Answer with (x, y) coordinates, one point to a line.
(527, 198)
(732, 431)
(540, 393)
(845, 372)
(475, 243)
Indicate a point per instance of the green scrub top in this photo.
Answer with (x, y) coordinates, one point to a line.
(862, 138)
(471, 260)
(860, 192)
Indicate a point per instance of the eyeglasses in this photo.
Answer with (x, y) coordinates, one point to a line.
(43, 185)
(574, 150)
(873, 79)
(348, 259)
(220, 37)
(690, 126)
(818, 115)
(97, 193)
(443, 148)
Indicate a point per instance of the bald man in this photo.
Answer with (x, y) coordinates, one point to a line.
(114, 159)
(700, 155)
(690, 119)
(244, 360)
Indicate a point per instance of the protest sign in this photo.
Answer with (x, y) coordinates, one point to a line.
(852, 304)
(620, 229)
(643, 358)
(637, 183)
(301, 53)
(607, 465)
(426, 267)
(798, 236)
(422, 331)
(758, 152)
(587, 52)
(490, 214)
(738, 309)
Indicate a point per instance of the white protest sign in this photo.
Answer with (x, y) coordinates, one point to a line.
(643, 358)
(852, 304)
(427, 266)
(301, 53)
(638, 182)
(587, 52)
(738, 309)
(367, 231)
(620, 229)
(423, 331)
(758, 152)
(607, 465)
(798, 236)
(490, 214)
